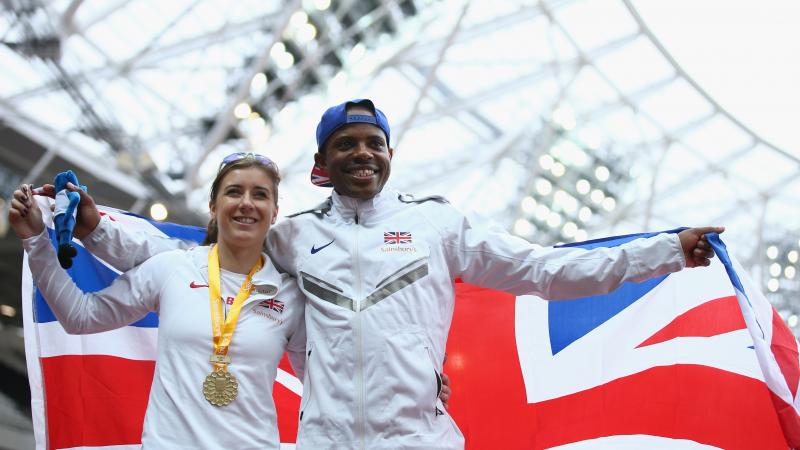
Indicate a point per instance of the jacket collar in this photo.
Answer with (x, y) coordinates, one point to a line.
(348, 207)
(267, 280)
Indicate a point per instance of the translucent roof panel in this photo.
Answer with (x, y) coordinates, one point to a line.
(762, 168)
(580, 21)
(634, 66)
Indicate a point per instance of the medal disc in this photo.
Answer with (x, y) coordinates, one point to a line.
(220, 388)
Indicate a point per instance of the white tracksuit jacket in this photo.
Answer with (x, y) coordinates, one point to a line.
(178, 416)
(379, 277)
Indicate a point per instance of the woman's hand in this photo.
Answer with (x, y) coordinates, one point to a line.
(87, 216)
(24, 215)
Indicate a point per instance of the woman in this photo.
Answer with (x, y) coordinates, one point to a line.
(212, 388)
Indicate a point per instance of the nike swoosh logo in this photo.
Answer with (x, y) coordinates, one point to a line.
(315, 250)
(194, 285)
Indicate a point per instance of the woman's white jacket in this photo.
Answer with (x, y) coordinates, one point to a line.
(174, 284)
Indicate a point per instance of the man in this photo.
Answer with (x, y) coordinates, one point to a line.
(378, 270)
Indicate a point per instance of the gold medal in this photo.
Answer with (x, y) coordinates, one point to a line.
(220, 388)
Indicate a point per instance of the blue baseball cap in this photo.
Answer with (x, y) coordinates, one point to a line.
(336, 117)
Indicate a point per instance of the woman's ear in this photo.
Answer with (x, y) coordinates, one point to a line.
(274, 216)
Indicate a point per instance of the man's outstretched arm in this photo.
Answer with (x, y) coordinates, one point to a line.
(484, 254)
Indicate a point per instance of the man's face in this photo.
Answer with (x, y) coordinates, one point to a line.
(357, 158)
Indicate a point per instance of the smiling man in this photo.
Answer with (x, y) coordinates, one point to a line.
(353, 148)
(378, 269)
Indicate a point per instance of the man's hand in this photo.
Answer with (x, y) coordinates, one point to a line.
(444, 396)
(87, 216)
(696, 250)
(24, 215)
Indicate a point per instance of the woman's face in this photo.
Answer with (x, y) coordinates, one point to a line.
(245, 207)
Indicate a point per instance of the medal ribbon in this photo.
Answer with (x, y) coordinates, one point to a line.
(223, 332)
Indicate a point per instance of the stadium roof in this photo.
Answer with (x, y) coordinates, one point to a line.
(563, 119)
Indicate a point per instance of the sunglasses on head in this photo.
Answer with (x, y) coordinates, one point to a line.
(238, 156)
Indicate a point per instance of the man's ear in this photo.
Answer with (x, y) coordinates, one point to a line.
(319, 160)
(274, 216)
(391, 153)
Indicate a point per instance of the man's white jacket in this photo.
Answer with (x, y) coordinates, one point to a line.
(379, 279)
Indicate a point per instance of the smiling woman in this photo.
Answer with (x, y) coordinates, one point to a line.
(233, 276)
(243, 205)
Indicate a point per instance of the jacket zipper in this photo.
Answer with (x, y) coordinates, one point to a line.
(359, 344)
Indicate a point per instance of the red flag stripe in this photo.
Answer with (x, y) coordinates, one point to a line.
(790, 421)
(712, 318)
(95, 400)
(287, 406)
(699, 403)
(784, 347)
(704, 404)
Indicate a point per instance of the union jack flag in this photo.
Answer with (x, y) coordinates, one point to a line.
(397, 237)
(320, 177)
(273, 304)
(640, 367)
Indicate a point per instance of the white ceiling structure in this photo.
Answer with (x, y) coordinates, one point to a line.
(563, 119)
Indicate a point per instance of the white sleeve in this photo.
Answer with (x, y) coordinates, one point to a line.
(280, 246)
(296, 348)
(129, 298)
(126, 249)
(486, 255)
